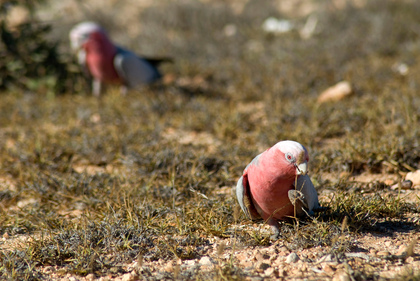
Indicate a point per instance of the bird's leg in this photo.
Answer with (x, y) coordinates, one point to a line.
(96, 87)
(124, 90)
(275, 228)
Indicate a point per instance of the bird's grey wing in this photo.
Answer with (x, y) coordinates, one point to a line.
(243, 193)
(310, 196)
(255, 161)
(134, 70)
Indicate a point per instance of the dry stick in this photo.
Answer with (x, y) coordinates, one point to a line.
(294, 205)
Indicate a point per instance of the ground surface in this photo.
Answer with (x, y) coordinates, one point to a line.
(140, 187)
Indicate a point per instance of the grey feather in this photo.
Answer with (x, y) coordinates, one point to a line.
(134, 70)
(240, 194)
(255, 161)
(305, 185)
(243, 193)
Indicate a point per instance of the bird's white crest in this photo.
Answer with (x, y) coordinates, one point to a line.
(82, 30)
(290, 146)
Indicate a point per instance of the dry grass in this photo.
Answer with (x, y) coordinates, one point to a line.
(98, 184)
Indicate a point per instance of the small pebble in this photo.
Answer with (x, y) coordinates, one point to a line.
(259, 256)
(205, 261)
(327, 268)
(414, 177)
(128, 277)
(336, 92)
(341, 276)
(383, 253)
(282, 272)
(292, 258)
(402, 251)
(387, 274)
(168, 267)
(407, 184)
(283, 249)
(135, 274)
(262, 266)
(230, 30)
(278, 261)
(242, 256)
(326, 258)
(271, 272)
(254, 278)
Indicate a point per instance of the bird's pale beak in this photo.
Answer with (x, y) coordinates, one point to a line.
(302, 169)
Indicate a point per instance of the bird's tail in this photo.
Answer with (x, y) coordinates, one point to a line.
(157, 61)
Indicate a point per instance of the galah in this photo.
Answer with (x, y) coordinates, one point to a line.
(275, 185)
(109, 63)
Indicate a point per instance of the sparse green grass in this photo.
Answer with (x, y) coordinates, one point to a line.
(102, 182)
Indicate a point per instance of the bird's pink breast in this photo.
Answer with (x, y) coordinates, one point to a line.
(272, 198)
(102, 67)
(269, 184)
(100, 54)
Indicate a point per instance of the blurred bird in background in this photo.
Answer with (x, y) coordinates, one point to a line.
(108, 63)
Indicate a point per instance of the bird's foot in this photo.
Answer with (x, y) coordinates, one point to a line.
(123, 90)
(296, 196)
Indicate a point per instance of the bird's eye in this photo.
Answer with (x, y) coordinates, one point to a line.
(290, 157)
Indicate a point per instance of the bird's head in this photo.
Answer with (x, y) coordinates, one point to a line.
(83, 32)
(294, 155)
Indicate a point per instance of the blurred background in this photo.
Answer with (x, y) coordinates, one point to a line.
(278, 67)
(249, 46)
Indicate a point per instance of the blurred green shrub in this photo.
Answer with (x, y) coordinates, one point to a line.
(28, 59)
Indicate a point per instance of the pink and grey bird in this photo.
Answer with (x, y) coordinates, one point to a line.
(275, 185)
(109, 63)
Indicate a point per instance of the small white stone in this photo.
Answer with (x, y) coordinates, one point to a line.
(274, 25)
(128, 277)
(188, 263)
(387, 274)
(336, 92)
(292, 258)
(269, 271)
(230, 30)
(205, 261)
(402, 251)
(341, 276)
(414, 177)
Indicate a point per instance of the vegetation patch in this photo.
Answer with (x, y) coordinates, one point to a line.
(142, 186)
